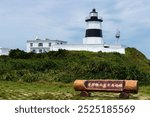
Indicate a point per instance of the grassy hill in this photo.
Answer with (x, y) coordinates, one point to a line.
(51, 75)
(66, 66)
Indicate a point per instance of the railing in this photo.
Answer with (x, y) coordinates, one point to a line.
(89, 17)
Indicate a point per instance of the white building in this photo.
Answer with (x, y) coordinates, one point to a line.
(93, 40)
(4, 51)
(40, 46)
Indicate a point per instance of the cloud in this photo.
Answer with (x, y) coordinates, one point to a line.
(21, 20)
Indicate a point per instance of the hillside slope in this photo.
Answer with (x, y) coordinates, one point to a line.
(66, 66)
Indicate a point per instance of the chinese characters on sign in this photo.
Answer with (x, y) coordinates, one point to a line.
(110, 85)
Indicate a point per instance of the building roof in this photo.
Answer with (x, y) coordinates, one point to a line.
(46, 40)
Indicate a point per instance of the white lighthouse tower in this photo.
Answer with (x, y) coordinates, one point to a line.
(93, 29)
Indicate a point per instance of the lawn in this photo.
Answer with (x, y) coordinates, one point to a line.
(57, 91)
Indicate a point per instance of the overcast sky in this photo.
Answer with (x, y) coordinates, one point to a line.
(22, 20)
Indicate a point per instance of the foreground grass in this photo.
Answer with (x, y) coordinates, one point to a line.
(57, 91)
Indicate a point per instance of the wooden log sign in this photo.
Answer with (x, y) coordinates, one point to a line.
(128, 86)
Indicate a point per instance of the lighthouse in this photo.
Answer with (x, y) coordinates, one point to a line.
(93, 33)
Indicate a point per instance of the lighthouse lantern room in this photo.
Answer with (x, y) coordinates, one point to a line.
(93, 33)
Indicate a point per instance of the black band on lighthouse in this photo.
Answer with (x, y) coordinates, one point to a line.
(93, 33)
(94, 19)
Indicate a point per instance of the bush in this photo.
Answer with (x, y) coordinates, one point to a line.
(66, 66)
(31, 77)
(64, 77)
(43, 65)
(11, 76)
(16, 54)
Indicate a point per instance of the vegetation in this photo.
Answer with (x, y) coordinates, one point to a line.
(50, 75)
(66, 66)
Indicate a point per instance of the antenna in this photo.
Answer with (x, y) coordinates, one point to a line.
(117, 35)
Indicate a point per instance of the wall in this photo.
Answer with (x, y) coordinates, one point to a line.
(91, 47)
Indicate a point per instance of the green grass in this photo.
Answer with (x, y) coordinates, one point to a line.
(57, 91)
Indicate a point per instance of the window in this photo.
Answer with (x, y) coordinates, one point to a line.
(61, 43)
(34, 51)
(40, 51)
(50, 44)
(106, 46)
(41, 44)
(31, 44)
(57, 43)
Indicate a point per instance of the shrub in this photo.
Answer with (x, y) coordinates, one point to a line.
(64, 77)
(16, 53)
(66, 66)
(31, 77)
(11, 76)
